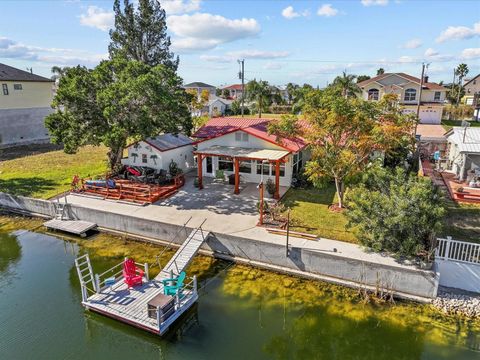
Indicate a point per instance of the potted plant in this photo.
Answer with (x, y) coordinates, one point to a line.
(270, 186)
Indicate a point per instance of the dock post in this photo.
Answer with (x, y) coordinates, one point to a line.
(145, 267)
(84, 292)
(177, 301)
(194, 284)
(97, 283)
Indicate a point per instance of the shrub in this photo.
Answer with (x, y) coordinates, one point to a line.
(395, 212)
(270, 185)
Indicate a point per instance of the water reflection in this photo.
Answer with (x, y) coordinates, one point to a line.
(10, 251)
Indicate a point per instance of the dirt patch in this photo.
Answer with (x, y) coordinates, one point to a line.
(336, 208)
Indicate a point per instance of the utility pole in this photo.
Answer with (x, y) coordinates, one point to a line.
(241, 75)
(420, 94)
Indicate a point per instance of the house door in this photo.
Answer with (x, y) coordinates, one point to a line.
(209, 161)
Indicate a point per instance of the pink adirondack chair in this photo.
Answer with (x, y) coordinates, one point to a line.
(132, 274)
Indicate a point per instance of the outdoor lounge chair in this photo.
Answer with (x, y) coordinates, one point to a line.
(174, 285)
(131, 273)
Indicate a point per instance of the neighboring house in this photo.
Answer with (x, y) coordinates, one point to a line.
(282, 89)
(244, 147)
(463, 152)
(431, 138)
(472, 95)
(234, 90)
(217, 106)
(199, 87)
(160, 151)
(25, 100)
(408, 90)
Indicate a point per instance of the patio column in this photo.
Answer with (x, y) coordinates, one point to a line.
(276, 195)
(200, 171)
(237, 176)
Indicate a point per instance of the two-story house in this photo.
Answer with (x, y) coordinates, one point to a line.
(472, 95)
(407, 88)
(199, 87)
(234, 91)
(25, 100)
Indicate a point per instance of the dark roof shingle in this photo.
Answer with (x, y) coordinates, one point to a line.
(9, 73)
(169, 141)
(198, 84)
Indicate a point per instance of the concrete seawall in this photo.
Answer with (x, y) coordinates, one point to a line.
(402, 281)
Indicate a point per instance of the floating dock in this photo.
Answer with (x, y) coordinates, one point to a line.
(76, 227)
(108, 295)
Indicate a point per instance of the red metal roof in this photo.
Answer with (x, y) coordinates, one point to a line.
(234, 87)
(220, 126)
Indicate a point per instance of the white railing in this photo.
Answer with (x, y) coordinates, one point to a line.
(448, 249)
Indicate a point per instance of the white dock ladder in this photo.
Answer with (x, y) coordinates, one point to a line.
(85, 275)
(60, 209)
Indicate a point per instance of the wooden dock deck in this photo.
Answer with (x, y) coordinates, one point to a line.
(130, 305)
(77, 227)
(107, 293)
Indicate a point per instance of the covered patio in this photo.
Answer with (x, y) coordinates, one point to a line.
(238, 154)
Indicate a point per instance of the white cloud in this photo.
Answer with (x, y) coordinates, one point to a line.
(412, 44)
(258, 54)
(289, 13)
(10, 49)
(202, 31)
(272, 66)
(97, 17)
(471, 53)
(327, 10)
(432, 54)
(374, 2)
(459, 33)
(172, 7)
(217, 58)
(407, 59)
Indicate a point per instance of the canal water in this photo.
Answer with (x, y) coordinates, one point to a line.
(242, 313)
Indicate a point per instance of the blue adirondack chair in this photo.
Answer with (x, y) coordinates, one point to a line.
(174, 285)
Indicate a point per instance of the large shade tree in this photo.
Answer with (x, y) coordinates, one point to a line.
(118, 100)
(140, 33)
(344, 134)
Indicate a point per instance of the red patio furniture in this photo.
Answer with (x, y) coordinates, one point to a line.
(131, 273)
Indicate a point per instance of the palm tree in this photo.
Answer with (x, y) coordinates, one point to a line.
(259, 92)
(58, 72)
(346, 84)
(380, 71)
(461, 71)
(291, 90)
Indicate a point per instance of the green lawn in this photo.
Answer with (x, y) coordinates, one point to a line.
(310, 213)
(448, 124)
(462, 222)
(45, 175)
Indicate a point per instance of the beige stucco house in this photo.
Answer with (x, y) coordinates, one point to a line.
(407, 88)
(25, 100)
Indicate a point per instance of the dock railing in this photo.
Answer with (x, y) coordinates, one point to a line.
(188, 290)
(454, 250)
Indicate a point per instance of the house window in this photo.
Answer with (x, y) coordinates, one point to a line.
(410, 95)
(241, 136)
(266, 169)
(225, 163)
(245, 166)
(17, 86)
(297, 162)
(436, 97)
(373, 94)
(144, 158)
(5, 89)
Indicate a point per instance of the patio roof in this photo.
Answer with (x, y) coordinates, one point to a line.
(244, 153)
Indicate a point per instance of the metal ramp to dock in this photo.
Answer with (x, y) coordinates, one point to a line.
(129, 305)
(62, 221)
(184, 255)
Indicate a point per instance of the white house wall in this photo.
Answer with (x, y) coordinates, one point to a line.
(254, 143)
(183, 156)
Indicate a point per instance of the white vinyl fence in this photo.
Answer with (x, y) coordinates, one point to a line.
(448, 249)
(458, 263)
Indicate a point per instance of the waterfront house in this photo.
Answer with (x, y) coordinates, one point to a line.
(407, 88)
(463, 152)
(25, 100)
(158, 152)
(243, 147)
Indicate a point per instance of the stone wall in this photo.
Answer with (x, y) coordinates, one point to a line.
(400, 281)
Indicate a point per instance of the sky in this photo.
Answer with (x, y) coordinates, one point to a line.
(281, 41)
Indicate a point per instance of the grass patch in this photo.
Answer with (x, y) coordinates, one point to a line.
(448, 124)
(462, 222)
(45, 175)
(310, 213)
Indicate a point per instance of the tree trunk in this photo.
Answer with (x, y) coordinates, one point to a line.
(458, 90)
(340, 190)
(114, 157)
